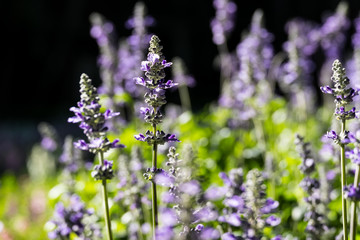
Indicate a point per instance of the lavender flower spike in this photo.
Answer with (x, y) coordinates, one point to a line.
(154, 81)
(92, 121)
(343, 95)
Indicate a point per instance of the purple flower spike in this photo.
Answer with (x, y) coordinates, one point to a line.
(91, 120)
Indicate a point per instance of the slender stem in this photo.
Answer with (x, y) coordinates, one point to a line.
(154, 195)
(343, 183)
(261, 140)
(185, 98)
(224, 73)
(353, 221)
(106, 204)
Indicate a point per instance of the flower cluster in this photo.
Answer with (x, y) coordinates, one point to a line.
(341, 91)
(104, 171)
(73, 220)
(246, 205)
(223, 23)
(333, 31)
(183, 193)
(316, 226)
(257, 206)
(155, 96)
(91, 120)
(250, 79)
(297, 71)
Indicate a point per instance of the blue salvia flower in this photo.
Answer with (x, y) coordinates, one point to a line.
(343, 95)
(119, 61)
(91, 120)
(103, 32)
(223, 23)
(72, 219)
(257, 206)
(183, 193)
(156, 85)
(297, 71)
(353, 65)
(333, 31)
(333, 38)
(250, 85)
(315, 218)
(137, 43)
(246, 206)
(155, 96)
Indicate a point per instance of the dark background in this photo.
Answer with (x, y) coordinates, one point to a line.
(46, 46)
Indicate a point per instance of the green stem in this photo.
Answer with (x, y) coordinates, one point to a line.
(185, 98)
(260, 135)
(224, 74)
(353, 221)
(106, 204)
(154, 195)
(343, 184)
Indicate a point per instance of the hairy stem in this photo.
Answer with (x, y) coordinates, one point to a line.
(106, 204)
(154, 195)
(353, 220)
(343, 184)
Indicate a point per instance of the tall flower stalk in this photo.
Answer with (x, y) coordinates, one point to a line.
(221, 26)
(316, 226)
(156, 85)
(343, 96)
(92, 121)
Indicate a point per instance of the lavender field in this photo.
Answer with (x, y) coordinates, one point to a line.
(144, 151)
